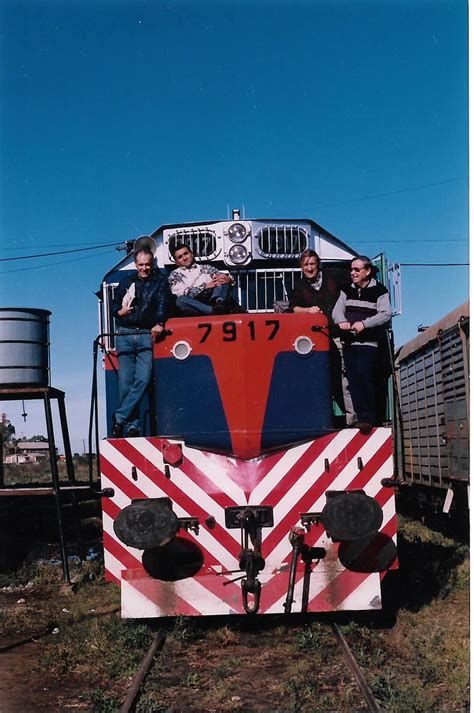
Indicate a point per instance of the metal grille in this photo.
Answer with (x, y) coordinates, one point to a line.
(201, 241)
(282, 240)
(258, 290)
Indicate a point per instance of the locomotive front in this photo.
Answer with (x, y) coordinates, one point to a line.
(243, 496)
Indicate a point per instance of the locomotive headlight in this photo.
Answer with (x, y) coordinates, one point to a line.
(238, 254)
(237, 233)
(303, 345)
(181, 350)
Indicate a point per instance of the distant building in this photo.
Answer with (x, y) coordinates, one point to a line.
(29, 452)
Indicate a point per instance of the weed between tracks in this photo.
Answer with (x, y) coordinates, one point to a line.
(419, 663)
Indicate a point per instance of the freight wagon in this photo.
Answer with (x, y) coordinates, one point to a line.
(433, 382)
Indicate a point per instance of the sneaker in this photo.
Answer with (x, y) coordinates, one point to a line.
(133, 432)
(117, 428)
(364, 427)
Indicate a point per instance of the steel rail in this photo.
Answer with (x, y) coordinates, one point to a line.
(356, 670)
(157, 643)
(27, 639)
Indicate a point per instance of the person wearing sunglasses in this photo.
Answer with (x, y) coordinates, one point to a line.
(362, 313)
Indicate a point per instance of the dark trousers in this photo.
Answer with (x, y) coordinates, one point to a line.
(361, 362)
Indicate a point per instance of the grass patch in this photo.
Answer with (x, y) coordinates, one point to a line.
(422, 663)
(260, 664)
(28, 473)
(313, 638)
(431, 565)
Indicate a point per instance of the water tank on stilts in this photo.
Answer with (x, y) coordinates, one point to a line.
(24, 347)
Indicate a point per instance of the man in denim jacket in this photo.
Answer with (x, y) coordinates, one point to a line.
(141, 304)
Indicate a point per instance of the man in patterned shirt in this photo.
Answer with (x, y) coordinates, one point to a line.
(199, 289)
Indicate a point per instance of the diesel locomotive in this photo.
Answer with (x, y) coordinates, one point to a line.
(245, 493)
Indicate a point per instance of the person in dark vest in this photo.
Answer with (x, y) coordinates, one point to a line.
(362, 313)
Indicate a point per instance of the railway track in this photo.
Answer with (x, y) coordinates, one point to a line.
(159, 640)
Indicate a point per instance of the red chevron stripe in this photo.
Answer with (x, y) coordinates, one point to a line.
(390, 530)
(245, 474)
(321, 484)
(250, 475)
(384, 495)
(289, 478)
(120, 553)
(344, 584)
(230, 593)
(372, 466)
(116, 476)
(207, 485)
(279, 588)
(189, 505)
(109, 577)
(110, 508)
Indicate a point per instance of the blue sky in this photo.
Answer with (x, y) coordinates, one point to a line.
(117, 117)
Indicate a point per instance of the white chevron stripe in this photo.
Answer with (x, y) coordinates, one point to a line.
(319, 580)
(208, 541)
(119, 498)
(349, 472)
(124, 465)
(113, 565)
(345, 477)
(211, 465)
(366, 596)
(281, 551)
(192, 490)
(388, 511)
(375, 485)
(201, 598)
(311, 474)
(215, 467)
(135, 604)
(279, 470)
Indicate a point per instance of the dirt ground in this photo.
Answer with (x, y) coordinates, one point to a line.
(417, 662)
(23, 689)
(278, 667)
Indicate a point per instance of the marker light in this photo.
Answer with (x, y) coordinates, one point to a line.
(181, 350)
(237, 233)
(303, 345)
(238, 254)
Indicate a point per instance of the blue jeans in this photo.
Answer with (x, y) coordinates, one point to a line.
(201, 304)
(135, 359)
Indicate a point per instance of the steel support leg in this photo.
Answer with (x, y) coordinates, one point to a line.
(56, 486)
(67, 443)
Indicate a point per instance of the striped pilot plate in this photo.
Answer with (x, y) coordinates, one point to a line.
(292, 481)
